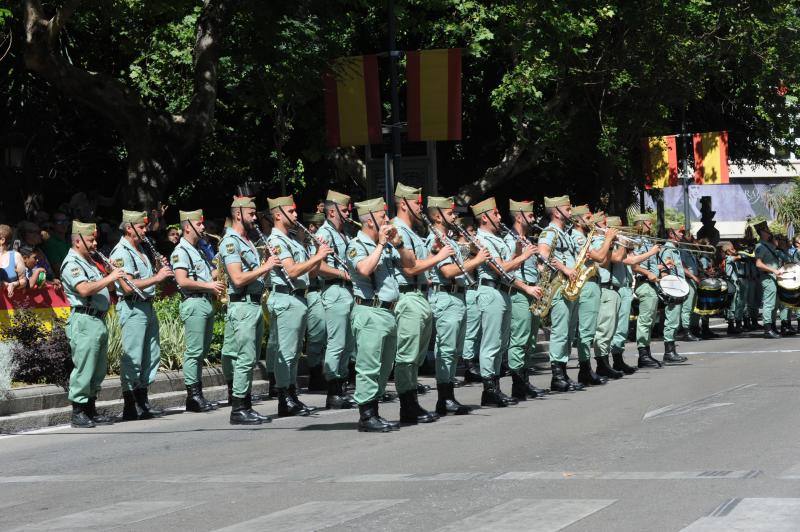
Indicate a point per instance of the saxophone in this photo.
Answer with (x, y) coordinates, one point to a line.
(222, 274)
(573, 288)
(550, 281)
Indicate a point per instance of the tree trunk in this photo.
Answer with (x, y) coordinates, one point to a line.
(148, 174)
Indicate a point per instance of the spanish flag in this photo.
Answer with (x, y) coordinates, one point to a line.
(352, 103)
(711, 158)
(434, 94)
(47, 303)
(660, 161)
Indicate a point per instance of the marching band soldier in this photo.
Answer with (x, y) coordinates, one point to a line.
(141, 351)
(195, 276)
(625, 291)
(556, 246)
(785, 312)
(373, 255)
(413, 312)
(244, 320)
(734, 271)
(315, 327)
(611, 275)
(706, 269)
(87, 292)
(472, 331)
(287, 304)
(337, 301)
(671, 257)
(768, 264)
(691, 273)
(647, 273)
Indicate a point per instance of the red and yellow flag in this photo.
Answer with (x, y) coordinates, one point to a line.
(660, 161)
(434, 94)
(710, 158)
(47, 303)
(352, 103)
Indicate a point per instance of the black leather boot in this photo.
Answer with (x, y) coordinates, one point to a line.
(732, 328)
(619, 362)
(472, 373)
(99, 419)
(272, 391)
(287, 406)
(646, 360)
(347, 396)
(739, 326)
(194, 401)
(787, 329)
(368, 420)
(558, 384)
(490, 397)
(769, 332)
(447, 404)
(148, 410)
(587, 376)
(230, 392)
(212, 405)
(130, 410)
(574, 386)
(411, 411)
(688, 336)
(80, 418)
(240, 414)
(706, 333)
(521, 387)
(507, 398)
(671, 356)
(422, 389)
(316, 379)
(604, 369)
(334, 400)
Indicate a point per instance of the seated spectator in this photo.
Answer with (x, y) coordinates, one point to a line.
(34, 274)
(12, 269)
(56, 247)
(31, 235)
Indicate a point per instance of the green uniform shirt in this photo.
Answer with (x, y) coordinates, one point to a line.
(233, 249)
(336, 240)
(134, 262)
(187, 257)
(562, 246)
(604, 273)
(528, 272)
(691, 263)
(670, 251)
(414, 242)
(76, 270)
(383, 281)
(434, 274)
(732, 269)
(287, 248)
(650, 264)
(497, 248)
(768, 255)
(311, 250)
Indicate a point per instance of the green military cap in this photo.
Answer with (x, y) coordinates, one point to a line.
(486, 205)
(560, 201)
(614, 221)
(440, 202)
(315, 218)
(643, 217)
(134, 217)
(283, 201)
(405, 192)
(371, 205)
(520, 206)
(245, 202)
(83, 229)
(195, 216)
(598, 217)
(338, 197)
(674, 226)
(579, 210)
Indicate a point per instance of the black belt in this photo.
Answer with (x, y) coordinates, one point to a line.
(404, 289)
(489, 283)
(451, 288)
(338, 282)
(283, 289)
(240, 298)
(313, 289)
(609, 286)
(133, 298)
(90, 311)
(375, 302)
(204, 295)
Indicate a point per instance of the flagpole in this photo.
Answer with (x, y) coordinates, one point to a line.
(395, 151)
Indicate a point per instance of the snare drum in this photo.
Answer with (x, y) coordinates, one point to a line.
(672, 290)
(789, 286)
(711, 297)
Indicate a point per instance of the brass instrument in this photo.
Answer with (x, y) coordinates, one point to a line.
(439, 236)
(572, 290)
(688, 246)
(624, 239)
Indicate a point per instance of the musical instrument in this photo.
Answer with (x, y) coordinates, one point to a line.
(442, 239)
(107, 263)
(159, 258)
(625, 240)
(572, 290)
(789, 285)
(281, 270)
(524, 242)
(711, 297)
(507, 277)
(672, 290)
(550, 282)
(314, 238)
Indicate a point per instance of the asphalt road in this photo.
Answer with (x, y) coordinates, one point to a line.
(708, 445)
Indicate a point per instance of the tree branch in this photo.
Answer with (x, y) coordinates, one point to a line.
(60, 19)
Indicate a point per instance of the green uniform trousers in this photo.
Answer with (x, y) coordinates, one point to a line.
(288, 314)
(272, 342)
(607, 318)
(337, 302)
(88, 343)
(688, 318)
(244, 331)
(623, 317)
(197, 315)
(495, 312)
(450, 319)
(375, 332)
(414, 328)
(563, 318)
(472, 331)
(648, 310)
(737, 306)
(769, 291)
(522, 331)
(753, 297)
(315, 329)
(141, 352)
(672, 320)
(588, 306)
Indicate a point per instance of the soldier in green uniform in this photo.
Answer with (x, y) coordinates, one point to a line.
(287, 304)
(244, 320)
(494, 299)
(141, 352)
(689, 320)
(472, 330)
(87, 292)
(315, 321)
(734, 273)
(781, 244)
(446, 296)
(769, 265)
(647, 274)
(337, 301)
(373, 255)
(671, 257)
(195, 275)
(413, 312)
(524, 325)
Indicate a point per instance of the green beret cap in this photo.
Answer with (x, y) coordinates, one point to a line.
(134, 217)
(245, 202)
(643, 217)
(579, 210)
(338, 197)
(83, 229)
(371, 205)
(195, 216)
(489, 204)
(560, 201)
(614, 221)
(440, 202)
(520, 206)
(673, 225)
(283, 201)
(405, 192)
(598, 217)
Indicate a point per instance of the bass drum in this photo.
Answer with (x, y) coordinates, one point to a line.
(789, 286)
(711, 297)
(672, 290)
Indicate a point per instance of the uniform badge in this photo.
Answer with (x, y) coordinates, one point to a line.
(75, 271)
(119, 263)
(278, 249)
(230, 248)
(352, 253)
(175, 258)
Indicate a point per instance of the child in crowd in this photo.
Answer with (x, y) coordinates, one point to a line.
(34, 273)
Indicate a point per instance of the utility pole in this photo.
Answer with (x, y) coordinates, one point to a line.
(392, 159)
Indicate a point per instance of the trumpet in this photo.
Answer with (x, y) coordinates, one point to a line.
(136, 290)
(627, 241)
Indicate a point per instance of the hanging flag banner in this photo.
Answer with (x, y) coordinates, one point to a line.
(352, 102)
(660, 161)
(434, 94)
(47, 303)
(710, 158)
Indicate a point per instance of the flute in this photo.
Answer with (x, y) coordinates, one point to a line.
(281, 270)
(472, 240)
(136, 290)
(441, 238)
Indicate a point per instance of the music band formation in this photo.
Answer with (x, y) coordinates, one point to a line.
(366, 288)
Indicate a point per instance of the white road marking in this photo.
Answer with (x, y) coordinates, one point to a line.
(113, 515)
(628, 475)
(792, 473)
(698, 405)
(45, 430)
(753, 515)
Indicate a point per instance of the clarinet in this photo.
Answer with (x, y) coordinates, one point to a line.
(525, 242)
(338, 260)
(158, 257)
(439, 236)
(125, 280)
(281, 271)
(506, 276)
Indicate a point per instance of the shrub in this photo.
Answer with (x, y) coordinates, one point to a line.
(40, 356)
(171, 333)
(114, 341)
(7, 366)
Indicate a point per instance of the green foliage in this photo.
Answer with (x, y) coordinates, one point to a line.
(40, 356)
(171, 333)
(114, 341)
(786, 204)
